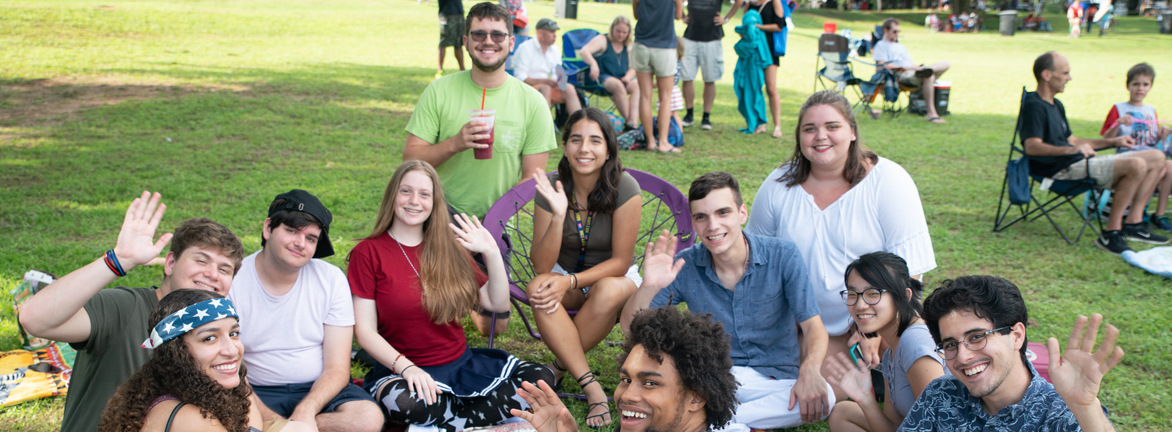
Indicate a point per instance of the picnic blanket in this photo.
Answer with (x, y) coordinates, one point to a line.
(28, 375)
(1155, 260)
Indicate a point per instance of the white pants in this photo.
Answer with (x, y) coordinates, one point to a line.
(764, 401)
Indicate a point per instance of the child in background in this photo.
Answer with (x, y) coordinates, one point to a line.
(1138, 120)
(1074, 18)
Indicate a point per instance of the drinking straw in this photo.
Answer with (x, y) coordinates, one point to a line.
(483, 93)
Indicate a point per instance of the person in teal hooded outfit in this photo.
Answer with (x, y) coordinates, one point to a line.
(753, 57)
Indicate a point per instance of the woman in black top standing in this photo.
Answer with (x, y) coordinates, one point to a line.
(772, 20)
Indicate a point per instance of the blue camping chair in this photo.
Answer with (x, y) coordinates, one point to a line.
(576, 69)
(1017, 190)
(834, 54)
(517, 40)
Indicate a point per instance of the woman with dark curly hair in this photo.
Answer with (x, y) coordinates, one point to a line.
(195, 380)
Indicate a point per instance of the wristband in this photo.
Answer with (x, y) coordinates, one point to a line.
(113, 264)
(408, 367)
(573, 282)
(396, 362)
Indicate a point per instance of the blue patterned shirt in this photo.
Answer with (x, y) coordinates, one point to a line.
(947, 405)
(761, 313)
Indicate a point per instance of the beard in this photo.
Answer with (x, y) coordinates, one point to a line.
(487, 67)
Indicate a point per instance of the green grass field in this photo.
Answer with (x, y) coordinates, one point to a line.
(220, 105)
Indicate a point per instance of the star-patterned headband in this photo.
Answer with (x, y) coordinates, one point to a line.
(189, 318)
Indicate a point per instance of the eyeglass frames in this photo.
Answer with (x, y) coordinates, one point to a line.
(870, 295)
(973, 341)
(480, 35)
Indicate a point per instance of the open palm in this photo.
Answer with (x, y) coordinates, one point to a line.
(136, 244)
(553, 193)
(1078, 374)
(473, 236)
(659, 270)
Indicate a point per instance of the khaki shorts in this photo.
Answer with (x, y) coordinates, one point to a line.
(1101, 168)
(451, 31)
(703, 57)
(658, 61)
(274, 425)
(908, 78)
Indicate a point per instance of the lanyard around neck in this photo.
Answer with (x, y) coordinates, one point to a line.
(583, 230)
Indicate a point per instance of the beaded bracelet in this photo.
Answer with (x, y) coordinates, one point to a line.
(396, 362)
(113, 264)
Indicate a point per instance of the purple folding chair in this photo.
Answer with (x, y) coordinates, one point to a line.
(510, 220)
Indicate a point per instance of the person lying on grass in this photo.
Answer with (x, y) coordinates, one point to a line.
(1140, 121)
(885, 302)
(195, 379)
(979, 325)
(674, 376)
(583, 250)
(106, 326)
(411, 280)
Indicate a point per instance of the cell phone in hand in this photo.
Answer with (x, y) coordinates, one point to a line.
(856, 354)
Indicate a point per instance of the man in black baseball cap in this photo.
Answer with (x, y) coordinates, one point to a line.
(300, 321)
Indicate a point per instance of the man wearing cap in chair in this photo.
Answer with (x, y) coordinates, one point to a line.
(892, 55)
(300, 321)
(537, 62)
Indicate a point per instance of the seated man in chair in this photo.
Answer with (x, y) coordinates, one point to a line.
(1054, 153)
(537, 62)
(892, 55)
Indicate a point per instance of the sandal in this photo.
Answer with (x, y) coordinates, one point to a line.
(936, 120)
(557, 383)
(589, 378)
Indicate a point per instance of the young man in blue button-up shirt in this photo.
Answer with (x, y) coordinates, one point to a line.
(758, 289)
(978, 323)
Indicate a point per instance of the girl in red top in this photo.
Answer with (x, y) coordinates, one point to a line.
(412, 279)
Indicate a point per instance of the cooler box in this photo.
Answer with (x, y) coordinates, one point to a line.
(829, 27)
(943, 88)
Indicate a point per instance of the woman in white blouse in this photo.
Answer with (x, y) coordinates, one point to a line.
(836, 201)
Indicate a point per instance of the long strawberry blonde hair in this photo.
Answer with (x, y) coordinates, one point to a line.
(449, 281)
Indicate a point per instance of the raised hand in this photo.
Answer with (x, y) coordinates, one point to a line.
(136, 245)
(421, 384)
(854, 379)
(1077, 375)
(658, 269)
(473, 236)
(549, 414)
(553, 194)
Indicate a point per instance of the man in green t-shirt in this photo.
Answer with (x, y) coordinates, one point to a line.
(441, 133)
(106, 326)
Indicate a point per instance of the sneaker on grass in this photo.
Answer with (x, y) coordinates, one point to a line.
(705, 124)
(687, 120)
(1141, 232)
(1162, 223)
(1112, 241)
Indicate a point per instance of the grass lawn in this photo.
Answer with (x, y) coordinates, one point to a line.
(220, 105)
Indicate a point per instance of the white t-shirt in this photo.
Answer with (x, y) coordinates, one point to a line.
(892, 52)
(881, 213)
(530, 62)
(283, 335)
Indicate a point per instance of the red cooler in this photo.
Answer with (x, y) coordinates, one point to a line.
(829, 27)
(943, 88)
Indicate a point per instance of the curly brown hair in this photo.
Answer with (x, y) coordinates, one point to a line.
(171, 370)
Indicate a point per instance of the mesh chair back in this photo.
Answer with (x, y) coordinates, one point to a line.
(572, 41)
(510, 220)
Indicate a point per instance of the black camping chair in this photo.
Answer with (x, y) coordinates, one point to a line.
(1017, 190)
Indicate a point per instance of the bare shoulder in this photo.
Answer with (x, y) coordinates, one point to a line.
(188, 419)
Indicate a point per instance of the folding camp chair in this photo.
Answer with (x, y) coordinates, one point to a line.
(834, 54)
(882, 83)
(517, 40)
(1017, 191)
(577, 70)
(511, 217)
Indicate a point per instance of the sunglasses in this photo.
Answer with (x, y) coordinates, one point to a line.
(480, 35)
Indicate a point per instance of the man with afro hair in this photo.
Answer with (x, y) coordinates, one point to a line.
(675, 375)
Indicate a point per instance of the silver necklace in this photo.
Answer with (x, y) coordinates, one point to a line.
(404, 251)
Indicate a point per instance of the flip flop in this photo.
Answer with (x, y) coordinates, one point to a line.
(777, 132)
(934, 120)
(924, 73)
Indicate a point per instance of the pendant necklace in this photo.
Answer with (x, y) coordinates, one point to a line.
(404, 251)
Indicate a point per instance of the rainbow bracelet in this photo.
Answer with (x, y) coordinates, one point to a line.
(112, 263)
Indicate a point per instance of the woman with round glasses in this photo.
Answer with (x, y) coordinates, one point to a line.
(885, 301)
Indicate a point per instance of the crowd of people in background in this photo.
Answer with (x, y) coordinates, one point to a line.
(790, 303)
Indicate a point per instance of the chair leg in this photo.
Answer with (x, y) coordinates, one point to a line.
(525, 320)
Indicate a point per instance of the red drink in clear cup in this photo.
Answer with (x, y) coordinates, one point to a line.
(485, 117)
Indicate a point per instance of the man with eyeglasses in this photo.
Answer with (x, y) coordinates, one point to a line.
(978, 323)
(892, 55)
(440, 131)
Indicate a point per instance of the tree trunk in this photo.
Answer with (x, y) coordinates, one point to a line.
(959, 6)
(879, 6)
